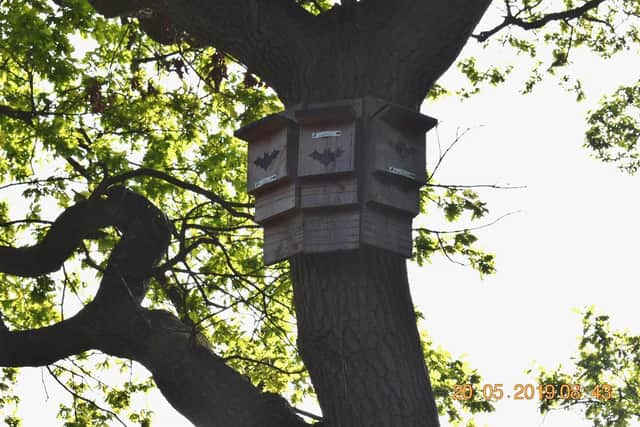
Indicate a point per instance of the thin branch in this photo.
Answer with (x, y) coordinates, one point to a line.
(459, 136)
(83, 372)
(182, 254)
(38, 181)
(153, 173)
(84, 399)
(25, 221)
(64, 291)
(23, 116)
(90, 261)
(262, 362)
(495, 186)
(44, 385)
(464, 230)
(78, 167)
(210, 230)
(161, 56)
(513, 20)
(446, 254)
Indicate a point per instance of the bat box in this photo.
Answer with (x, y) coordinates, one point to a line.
(327, 155)
(336, 176)
(272, 162)
(394, 159)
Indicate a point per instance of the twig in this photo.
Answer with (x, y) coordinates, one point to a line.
(512, 19)
(495, 186)
(446, 151)
(262, 362)
(153, 173)
(446, 254)
(84, 399)
(464, 230)
(25, 221)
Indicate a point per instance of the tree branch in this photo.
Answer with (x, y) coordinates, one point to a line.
(421, 38)
(24, 116)
(229, 206)
(123, 285)
(513, 19)
(297, 53)
(200, 385)
(465, 230)
(38, 347)
(84, 399)
(62, 239)
(195, 381)
(267, 36)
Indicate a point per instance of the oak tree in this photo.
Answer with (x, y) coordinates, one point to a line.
(119, 114)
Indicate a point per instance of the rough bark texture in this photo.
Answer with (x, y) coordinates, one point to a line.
(198, 383)
(394, 50)
(358, 337)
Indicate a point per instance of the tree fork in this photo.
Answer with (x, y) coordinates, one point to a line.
(358, 337)
(191, 376)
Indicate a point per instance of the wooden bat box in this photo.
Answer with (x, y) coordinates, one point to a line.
(395, 156)
(271, 169)
(327, 156)
(337, 175)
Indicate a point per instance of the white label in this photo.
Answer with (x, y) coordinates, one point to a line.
(401, 172)
(325, 134)
(264, 181)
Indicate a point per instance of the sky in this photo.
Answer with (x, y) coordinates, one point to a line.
(569, 244)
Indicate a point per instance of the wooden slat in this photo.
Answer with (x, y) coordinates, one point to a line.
(409, 120)
(276, 201)
(282, 238)
(331, 230)
(336, 191)
(387, 230)
(345, 110)
(263, 127)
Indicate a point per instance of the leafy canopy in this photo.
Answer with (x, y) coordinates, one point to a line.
(607, 368)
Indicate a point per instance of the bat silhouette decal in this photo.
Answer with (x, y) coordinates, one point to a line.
(327, 156)
(404, 150)
(267, 158)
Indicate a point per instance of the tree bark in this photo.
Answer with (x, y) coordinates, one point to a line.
(197, 382)
(394, 50)
(358, 337)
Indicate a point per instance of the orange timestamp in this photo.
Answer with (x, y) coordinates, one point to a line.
(601, 392)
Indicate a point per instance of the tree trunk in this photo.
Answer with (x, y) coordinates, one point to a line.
(358, 337)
